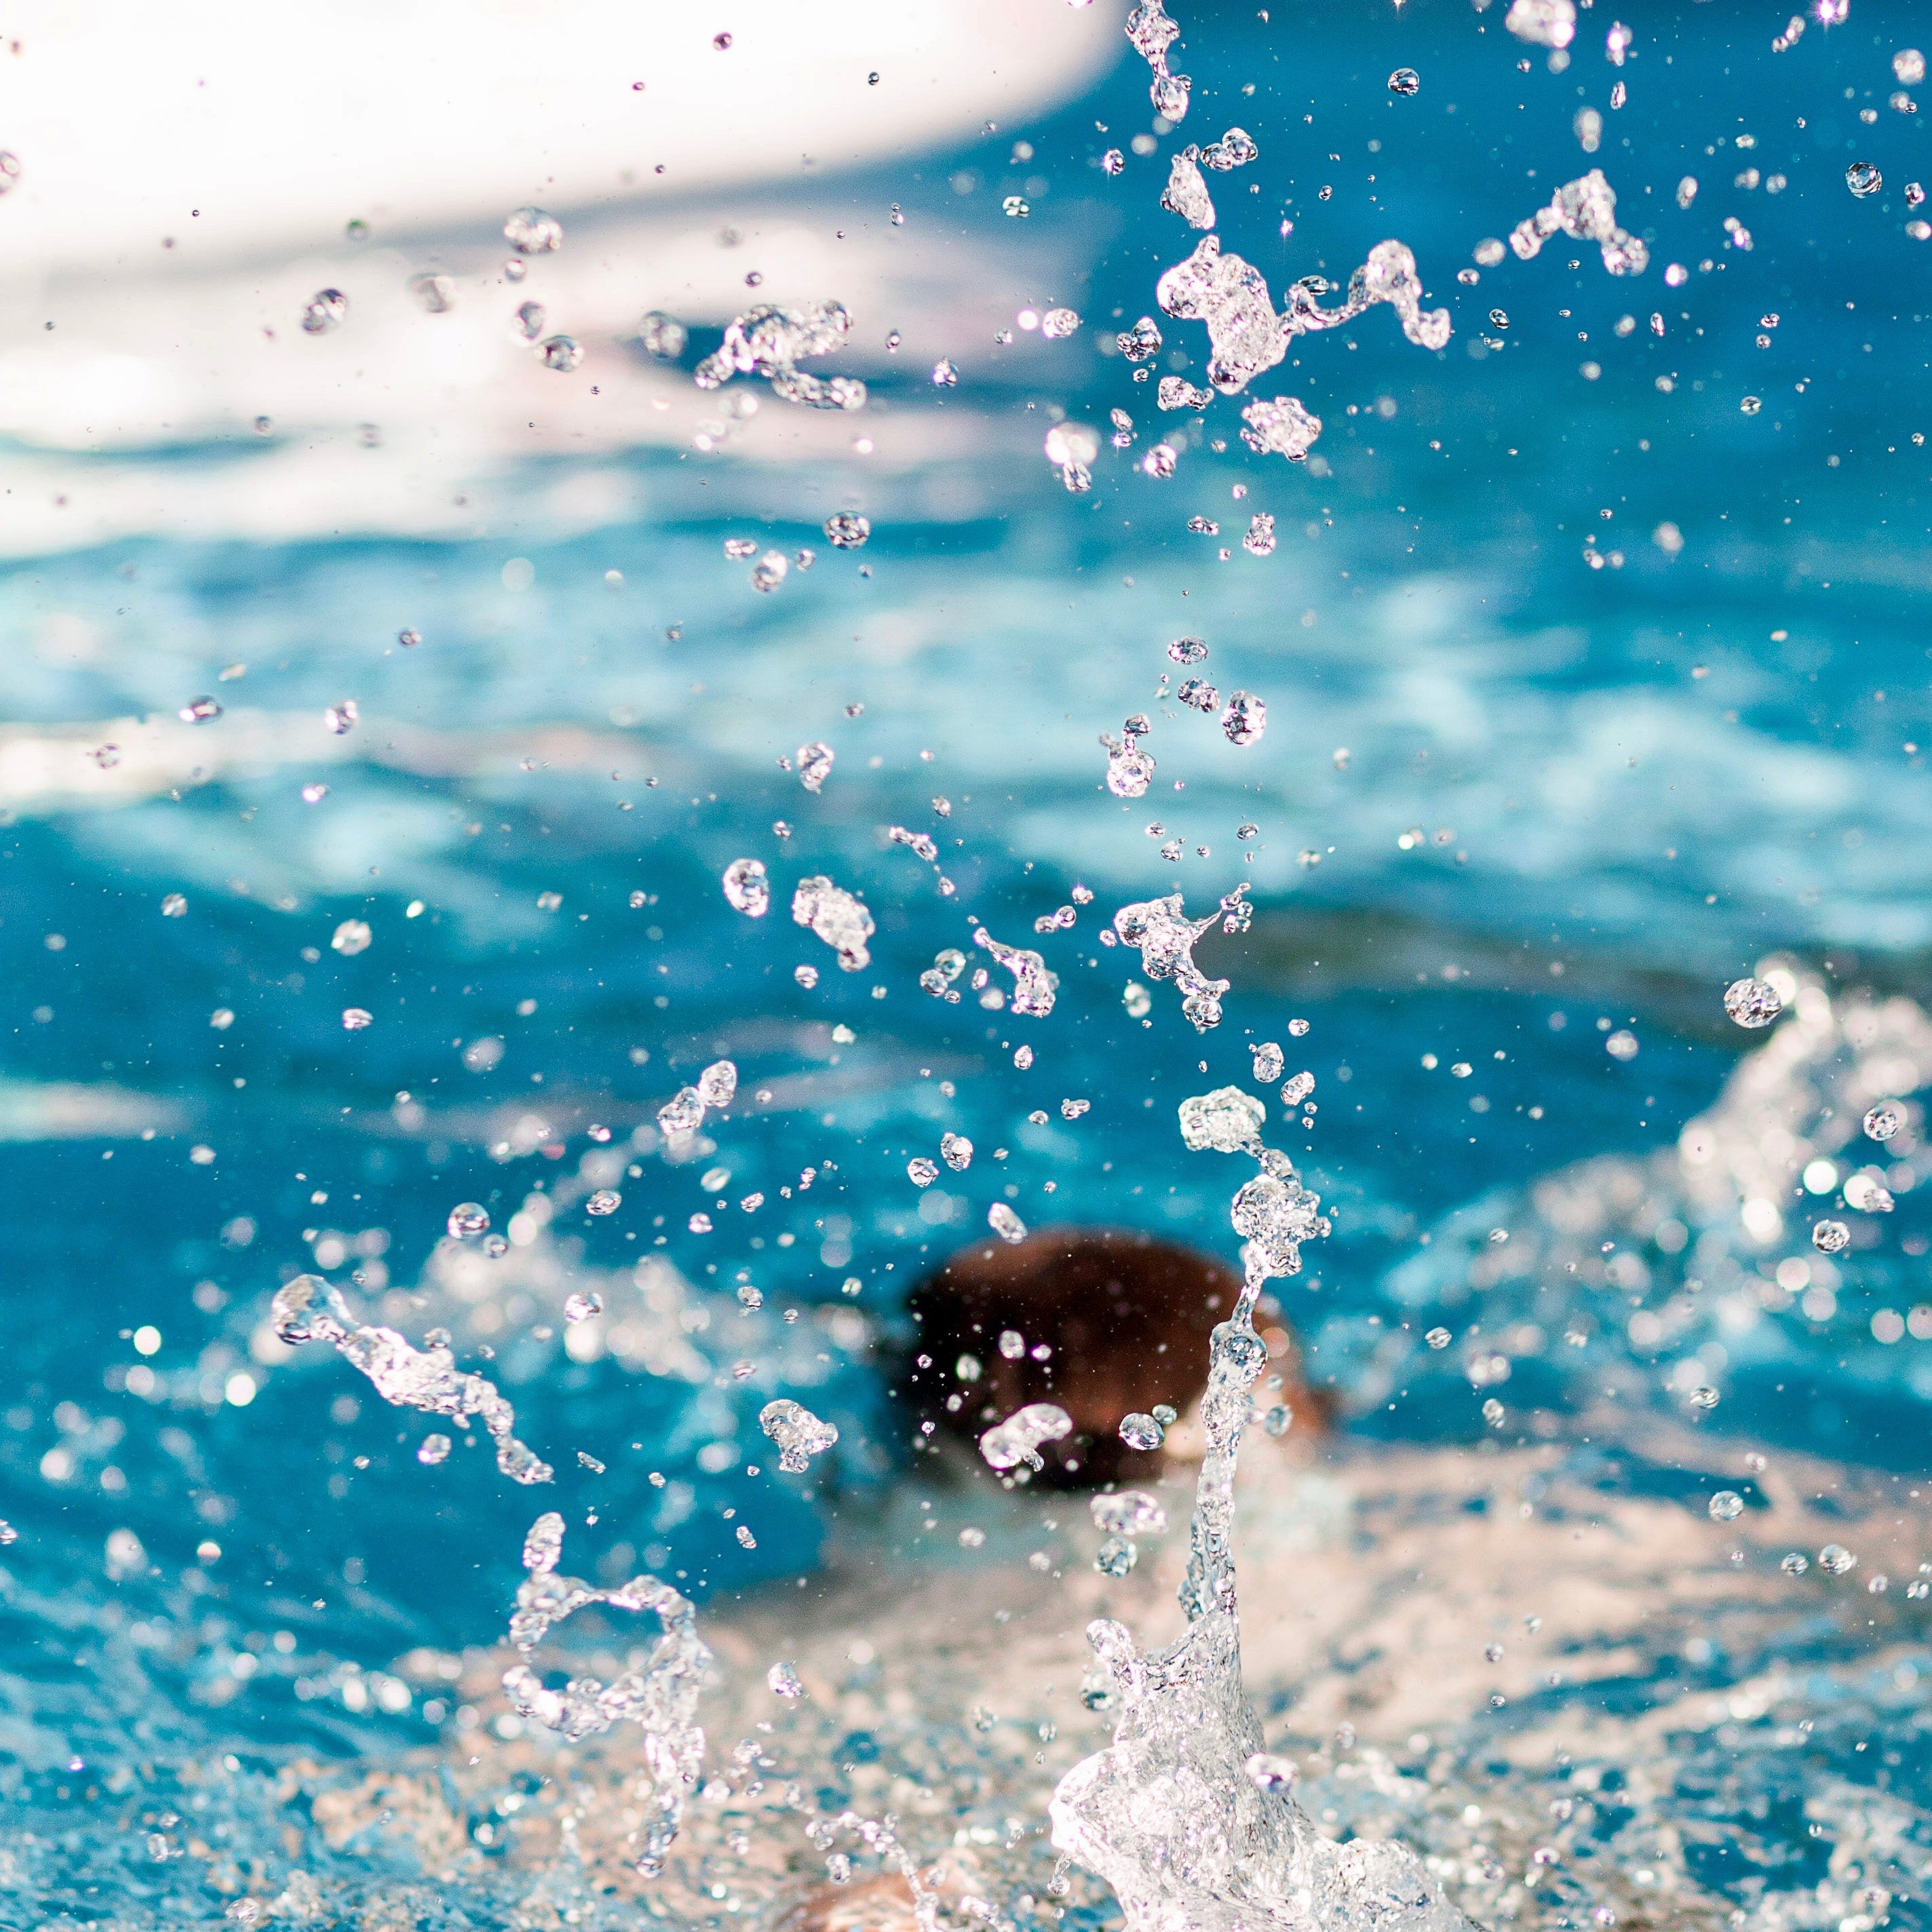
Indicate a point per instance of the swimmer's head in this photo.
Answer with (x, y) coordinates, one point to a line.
(1108, 1323)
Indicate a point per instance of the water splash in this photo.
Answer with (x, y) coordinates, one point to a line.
(1185, 194)
(837, 917)
(309, 1309)
(800, 1435)
(1247, 336)
(1152, 32)
(1017, 1439)
(660, 1694)
(1164, 936)
(1184, 1815)
(1585, 209)
(1034, 985)
(771, 341)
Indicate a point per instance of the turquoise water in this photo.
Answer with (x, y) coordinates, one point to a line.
(1649, 775)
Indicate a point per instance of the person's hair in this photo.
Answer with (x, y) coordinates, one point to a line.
(1127, 1319)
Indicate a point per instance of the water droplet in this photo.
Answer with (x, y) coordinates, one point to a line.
(605, 1201)
(956, 1151)
(1727, 1506)
(783, 1681)
(1831, 1237)
(1269, 1772)
(1438, 1338)
(199, 711)
(531, 232)
(1883, 1121)
(468, 1217)
(800, 1435)
(846, 530)
(1245, 719)
(1753, 1003)
(1005, 1223)
(1116, 1556)
(434, 1449)
(356, 1019)
(814, 766)
(562, 353)
(1142, 1431)
(1405, 81)
(326, 310)
(1863, 179)
(343, 718)
(352, 937)
(1835, 1560)
(921, 1172)
(1019, 1439)
(747, 889)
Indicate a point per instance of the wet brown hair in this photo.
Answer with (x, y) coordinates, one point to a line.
(1127, 1319)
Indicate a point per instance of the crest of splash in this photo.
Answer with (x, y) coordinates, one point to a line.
(1033, 986)
(1164, 936)
(310, 1309)
(1170, 1814)
(1152, 32)
(659, 1694)
(770, 341)
(1245, 335)
(1585, 209)
(837, 918)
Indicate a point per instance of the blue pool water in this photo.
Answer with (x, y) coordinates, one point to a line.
(1632, 783)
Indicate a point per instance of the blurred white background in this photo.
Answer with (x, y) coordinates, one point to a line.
(189, 178)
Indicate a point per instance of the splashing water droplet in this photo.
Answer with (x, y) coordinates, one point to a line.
(1142, 1431)
(837, 917)
(326, 310)
(800, 1435)
(1753, 1003)
(1019, 1439)
(1863, 179)
(1245, 719)
(1727, 1506)
(1883, 1121)
(531, 232)
(1005, 1223)
(1405, 81)
(468, 1217)
(747, 889)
